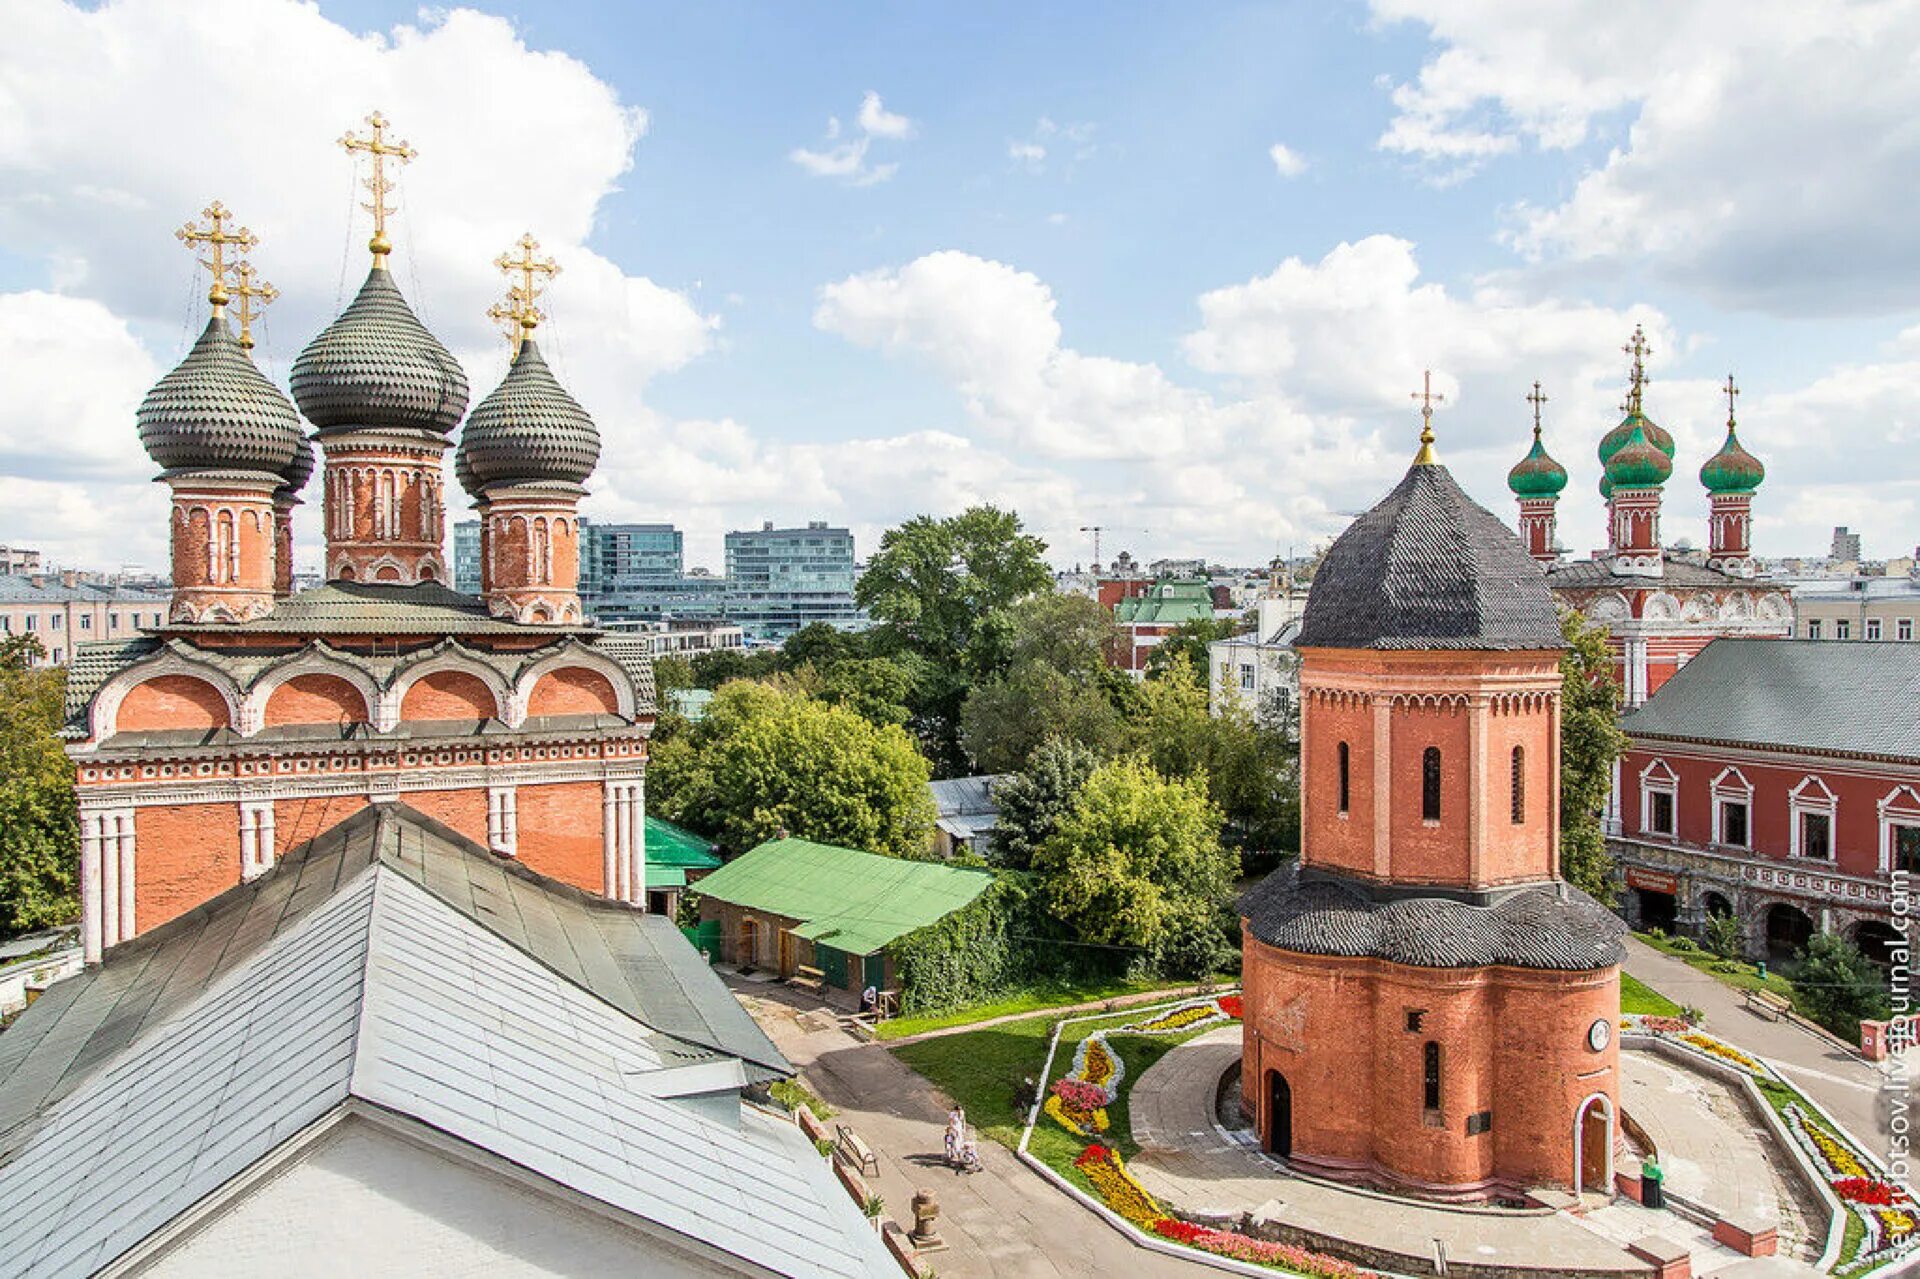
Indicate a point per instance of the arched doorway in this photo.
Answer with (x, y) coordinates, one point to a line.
(1593, 1145)
(1716, 906)
(1279, 1115)
(1788, 930)
(1657, 909)
(1877, 940)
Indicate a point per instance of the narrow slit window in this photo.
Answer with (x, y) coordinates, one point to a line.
(1430, 784)
(1430, 1075)
(1346, 776)
(1519, 785)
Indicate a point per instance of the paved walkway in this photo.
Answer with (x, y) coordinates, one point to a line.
(1064, 1010)
(1185, 1160)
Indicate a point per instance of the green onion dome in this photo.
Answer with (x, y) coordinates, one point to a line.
(1616, 439)
(1732, 469)
(527, 430)
(1638, 463)
(1606, 487)
(1537, 474)
(377, 366)
(217, 412)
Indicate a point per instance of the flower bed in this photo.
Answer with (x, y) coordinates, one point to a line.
(1077, 1101)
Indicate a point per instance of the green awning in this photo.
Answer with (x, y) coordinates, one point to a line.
(665, 876)
(670, 845)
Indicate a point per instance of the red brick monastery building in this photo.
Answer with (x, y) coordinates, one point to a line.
(1659, 609)
(1429, 1006)
(255, 718)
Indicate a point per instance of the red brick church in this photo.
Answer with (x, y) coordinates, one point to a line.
(1430, 1008)
(256, 719)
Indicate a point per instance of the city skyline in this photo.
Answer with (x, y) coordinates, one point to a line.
(1126, 273)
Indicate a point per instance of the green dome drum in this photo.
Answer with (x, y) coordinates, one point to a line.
(1732, 469)
(1537, 474)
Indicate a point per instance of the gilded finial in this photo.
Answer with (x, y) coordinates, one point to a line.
(519, 314)
(1536, 398)
(380, 149)
(216, 235)
(1427, 397)
(248, 290)
(1731, 391)
(1637, 379)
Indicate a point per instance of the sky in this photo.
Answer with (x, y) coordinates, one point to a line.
(1169, 269)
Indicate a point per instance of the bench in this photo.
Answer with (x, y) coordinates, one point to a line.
(1769, 1004)
(808, 979)
(855, 1151)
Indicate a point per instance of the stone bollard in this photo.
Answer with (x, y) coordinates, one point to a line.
(923, 1235)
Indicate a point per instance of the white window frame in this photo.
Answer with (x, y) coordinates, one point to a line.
(1903, 628)
(1843, 628)
(1732, 787)
(1900, 807)
(1658, 778)
(1813, 628)
(256, 838)
(1813, 796)
(1873, 628)
(1249, 677)
(503, 821)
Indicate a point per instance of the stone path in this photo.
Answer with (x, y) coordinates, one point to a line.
(1185, 1160)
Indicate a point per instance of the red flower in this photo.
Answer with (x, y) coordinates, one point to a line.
(1865, 1190)
(1095, 1154)
(1231, 1005)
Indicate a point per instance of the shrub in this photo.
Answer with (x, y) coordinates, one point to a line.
(1838, 986)
(1725, 936)
(1684, 945)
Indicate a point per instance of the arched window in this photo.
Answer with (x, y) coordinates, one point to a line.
(1519, 785)
(1430, 1075)
(1346, 776)
(1430, 784)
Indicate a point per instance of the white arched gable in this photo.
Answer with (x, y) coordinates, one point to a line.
(575, 654)
(447, 657)
(1812, 790)
(1731, 780)
(1661, 607)
(103, 718)
(1612, 607)
(316, 659)
(1658, 773)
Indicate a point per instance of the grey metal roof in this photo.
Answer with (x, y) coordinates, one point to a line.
(375, 964)
(1553, 926)
(377, 608)
(1589, 573)
(965, 796)
(18, 588)
(1853, 697)
(1429, 568)
(377, 366)
(527, 429)
(216, 411)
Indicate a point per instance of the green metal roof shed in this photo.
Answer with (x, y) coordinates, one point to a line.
(672, 851)
(852, 901)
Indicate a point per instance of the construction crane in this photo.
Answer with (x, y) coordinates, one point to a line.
(1098, 529)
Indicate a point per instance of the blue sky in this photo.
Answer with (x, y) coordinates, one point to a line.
(1154, 324)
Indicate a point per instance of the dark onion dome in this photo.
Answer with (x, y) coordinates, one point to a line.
(1429, 568)
(1551, 925)
(1536, 474)
(217, 411)
(377, 366)
(1732, 469)
(300, 470)
(1616, 439)
(527, 430)
(1638, 464)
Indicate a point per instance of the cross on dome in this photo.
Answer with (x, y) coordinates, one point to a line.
(1536, 397)
(217, 237)
(519, 314)
(248, 288)
(377, 185)
(1637, 379)
(1427, 397)
(1731, 391)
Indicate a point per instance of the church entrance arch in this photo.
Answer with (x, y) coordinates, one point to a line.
(1593, 1144)
(1279, 1115)
(1788, 930)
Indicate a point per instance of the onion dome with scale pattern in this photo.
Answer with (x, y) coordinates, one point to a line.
(1732, 469)
(1638, 463)
(1537, 474)
(217, 412)
(300, 470)
(1616, 439)
(376, 366)
(527, 430)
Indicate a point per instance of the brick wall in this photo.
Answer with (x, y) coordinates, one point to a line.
(316, 699)
(560, 832)
(184, 855)
(171, 702)
(444, 695)
(573, 690)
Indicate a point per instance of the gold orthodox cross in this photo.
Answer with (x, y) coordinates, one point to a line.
(1637, 380)
(518, 313)
(1537, 398)
(1732, 391)
(217, 237)
(380, 149)
(1427, 397)
(247, 290)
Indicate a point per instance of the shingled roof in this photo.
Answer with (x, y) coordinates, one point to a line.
(1550, 926)
(1826, 696)
(1429, 568)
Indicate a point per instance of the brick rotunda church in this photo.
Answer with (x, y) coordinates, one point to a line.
(256, 718)
(1430, 1007)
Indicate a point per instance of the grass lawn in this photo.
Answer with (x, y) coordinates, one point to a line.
(1037, 999)
(1638, 997)
(1733, 972)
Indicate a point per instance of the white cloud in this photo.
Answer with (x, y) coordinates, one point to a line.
(1029, 155)
(1760, 150)
(1286, 161)
(848, 161)
(1073, 141)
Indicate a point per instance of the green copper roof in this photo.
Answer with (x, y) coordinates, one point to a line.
(1616, 439)
(1732, 469)
(1167, 604)
(1639, 463)
(670, 845)
(852, 901)
(1536, 474)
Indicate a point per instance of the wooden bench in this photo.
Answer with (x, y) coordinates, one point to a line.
(855, 1151)
(1769, 1004)
(808, 979)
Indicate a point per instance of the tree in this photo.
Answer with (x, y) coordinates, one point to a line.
(1135, 857)
(717, 666)
(1838, 986)
(39, 827)
(822, 646)
(1590, 741)
(878, 689)
(1056, 682)
(768, 760)
(936, 587)
(1190, 640)
(1033, 801)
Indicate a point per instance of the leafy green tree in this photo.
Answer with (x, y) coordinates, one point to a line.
(769, 759)
(714, 668)
(878, 689)
(1056, 682)
(1136, 856)
(936, 587)
(1590, 741)
(1838, 986)
(1189, 640)
(39, 827)
(822, 646)
(1032, 801)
